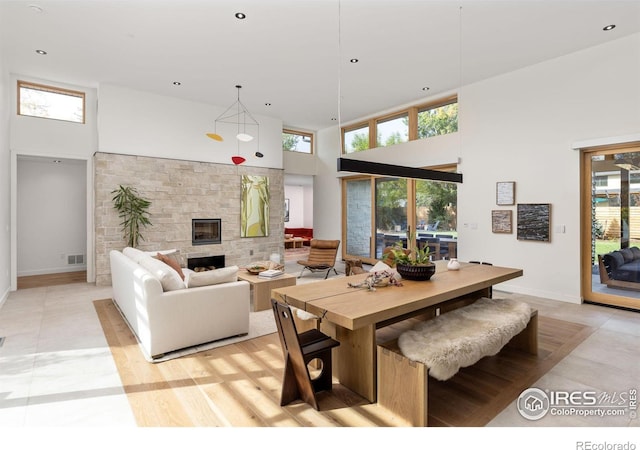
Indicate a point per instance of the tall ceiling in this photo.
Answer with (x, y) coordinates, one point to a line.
(292, 57)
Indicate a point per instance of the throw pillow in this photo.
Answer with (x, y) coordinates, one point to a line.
(171, 262)
(168, 277)
(627, 254)
(217, 276)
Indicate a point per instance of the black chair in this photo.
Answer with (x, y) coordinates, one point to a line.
(299, 350)
(488, 264)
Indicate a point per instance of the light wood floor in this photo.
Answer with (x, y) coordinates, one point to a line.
(53, 279)
(239, 384)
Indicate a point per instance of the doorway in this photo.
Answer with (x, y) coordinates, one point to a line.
(51, 220)
(610, 222)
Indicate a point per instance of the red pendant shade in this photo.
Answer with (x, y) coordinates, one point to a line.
(237, 160)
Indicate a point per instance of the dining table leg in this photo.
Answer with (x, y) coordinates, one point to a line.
(355, 360)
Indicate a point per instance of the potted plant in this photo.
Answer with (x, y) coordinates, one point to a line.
(414, 264)
(134, 212)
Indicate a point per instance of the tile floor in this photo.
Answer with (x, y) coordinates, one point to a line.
(56, 369)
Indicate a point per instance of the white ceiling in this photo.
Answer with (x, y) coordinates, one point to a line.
(294, 54)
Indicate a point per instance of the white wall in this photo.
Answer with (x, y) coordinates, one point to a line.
(520, 127)
(300, 205)
(51, 209)
(140, 123)
(5, 189)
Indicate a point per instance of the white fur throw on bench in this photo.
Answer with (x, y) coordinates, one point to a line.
(462, 337)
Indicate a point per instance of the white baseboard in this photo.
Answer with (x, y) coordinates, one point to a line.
(75, 268)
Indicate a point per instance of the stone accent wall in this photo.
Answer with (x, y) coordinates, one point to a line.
(180, 191)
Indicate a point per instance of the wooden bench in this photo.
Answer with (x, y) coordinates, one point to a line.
(403, 383)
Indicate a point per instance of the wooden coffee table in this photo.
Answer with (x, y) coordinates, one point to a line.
(261, 288)
(295, 242)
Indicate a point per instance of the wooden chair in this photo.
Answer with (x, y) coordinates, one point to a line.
(322, 256)
(299, 350)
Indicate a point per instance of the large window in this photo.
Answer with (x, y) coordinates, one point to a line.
(418, 122)
(297, 141)
(380, 211)
(50, 102)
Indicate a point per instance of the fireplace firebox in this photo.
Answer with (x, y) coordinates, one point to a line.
(206, 231)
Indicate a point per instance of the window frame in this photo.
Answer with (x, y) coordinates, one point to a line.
(412, 112)
(303, 134)
(52, 89)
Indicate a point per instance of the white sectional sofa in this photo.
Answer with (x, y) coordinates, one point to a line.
(167, 315)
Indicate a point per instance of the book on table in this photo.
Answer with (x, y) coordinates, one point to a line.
(271, 273)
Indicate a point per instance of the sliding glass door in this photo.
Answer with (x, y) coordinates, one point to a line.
(381, 211)
(610, 223)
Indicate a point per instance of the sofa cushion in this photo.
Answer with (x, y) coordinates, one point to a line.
(169, 278)
(613, 260)
(171, 262)
(134, 254)
(627, 254)
(636, 252)
(209, 277)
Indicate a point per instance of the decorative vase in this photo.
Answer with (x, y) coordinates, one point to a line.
(453, 264)
(418, 272)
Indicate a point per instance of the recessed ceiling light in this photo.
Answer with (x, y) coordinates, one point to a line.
(41, 52)
(333, 119)
(267, 104)
(426, 88)
(353, 60)
(57, 161)
(609, 27)
(177, 83)
(241, 16)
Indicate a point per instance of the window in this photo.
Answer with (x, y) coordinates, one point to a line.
(50, 102)
(393, 131)
(297, 141)
(380, 211)
(438, 120)
(417, 122)
(356, 139)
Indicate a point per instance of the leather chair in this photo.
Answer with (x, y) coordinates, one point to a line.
(322, 256)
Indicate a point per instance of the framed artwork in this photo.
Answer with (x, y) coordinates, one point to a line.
(501, 221)
(286, 209)
(534, 222)
(254, 206)
(505, 193)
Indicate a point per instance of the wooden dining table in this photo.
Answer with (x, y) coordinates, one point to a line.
(352, 315)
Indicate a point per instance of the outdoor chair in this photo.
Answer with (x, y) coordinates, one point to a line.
(322, 256)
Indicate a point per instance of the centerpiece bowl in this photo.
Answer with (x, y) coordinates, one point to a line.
(416, 272)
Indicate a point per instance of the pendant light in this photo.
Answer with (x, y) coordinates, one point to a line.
(239, 115)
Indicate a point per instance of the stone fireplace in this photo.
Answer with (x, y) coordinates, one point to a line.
(180, 191)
